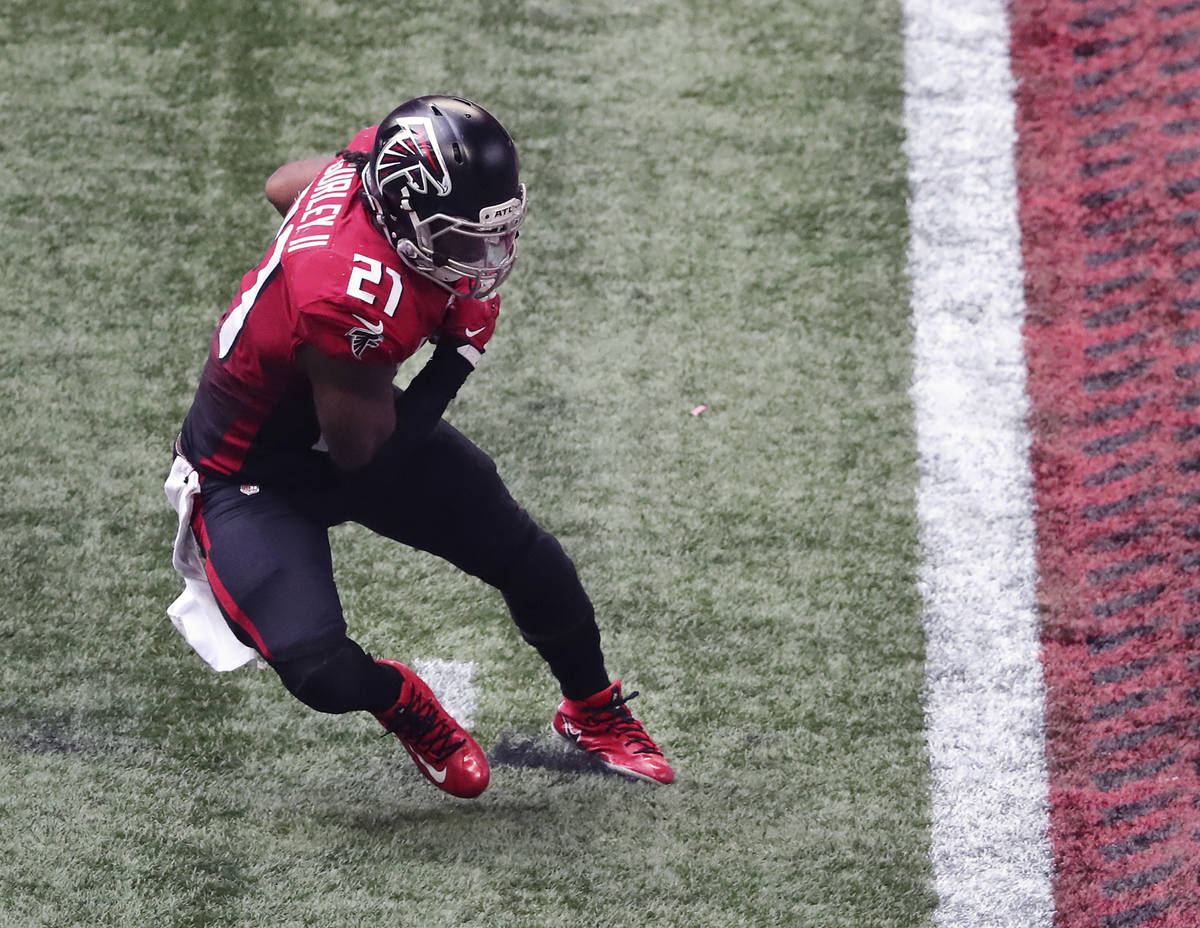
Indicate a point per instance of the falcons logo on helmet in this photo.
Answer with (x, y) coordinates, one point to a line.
(413, 157)
(365, 336)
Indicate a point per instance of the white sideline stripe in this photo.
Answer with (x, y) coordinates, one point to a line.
(985, 694)
(451, 682)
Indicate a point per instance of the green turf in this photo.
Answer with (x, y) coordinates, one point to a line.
(717, 217)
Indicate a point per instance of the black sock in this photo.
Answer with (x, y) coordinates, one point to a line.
(576, 661)
(384, 688)
(340, 678)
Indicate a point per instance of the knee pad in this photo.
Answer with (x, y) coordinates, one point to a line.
(339, 678)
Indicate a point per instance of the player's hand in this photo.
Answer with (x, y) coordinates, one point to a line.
(471, 321)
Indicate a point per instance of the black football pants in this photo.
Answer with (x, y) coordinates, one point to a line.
(269, 563)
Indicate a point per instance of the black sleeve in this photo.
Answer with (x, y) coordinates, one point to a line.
(419, 407)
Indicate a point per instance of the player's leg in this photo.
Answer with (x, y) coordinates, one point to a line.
(271, 572)
(269, 564)
(449, 500)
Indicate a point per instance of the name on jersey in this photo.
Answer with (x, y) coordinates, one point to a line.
(324, 205)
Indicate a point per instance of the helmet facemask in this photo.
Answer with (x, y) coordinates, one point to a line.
(448, 249)
(429, 186)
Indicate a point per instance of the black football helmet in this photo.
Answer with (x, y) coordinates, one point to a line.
(442, 185)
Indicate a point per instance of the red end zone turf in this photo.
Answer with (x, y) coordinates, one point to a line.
(1108, 167)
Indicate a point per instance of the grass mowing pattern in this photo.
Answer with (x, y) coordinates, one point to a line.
(1109, 130)
(718, 217)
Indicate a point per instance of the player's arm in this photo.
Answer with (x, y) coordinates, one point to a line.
(288, 180)
(355, 405)
(431, 391)
(460, 342)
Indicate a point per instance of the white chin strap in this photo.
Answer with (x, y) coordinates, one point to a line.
(422, 265)
(446, 275)
(421, 262)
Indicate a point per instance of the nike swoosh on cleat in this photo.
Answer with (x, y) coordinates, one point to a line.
(471, 333)
(572, 732)
(438, 776)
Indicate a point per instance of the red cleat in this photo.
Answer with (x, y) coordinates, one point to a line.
(441, 748)
(601, 725)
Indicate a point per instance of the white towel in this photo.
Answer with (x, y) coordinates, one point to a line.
(195, 613)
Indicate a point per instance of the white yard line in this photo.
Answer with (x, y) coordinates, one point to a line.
(453, 684)
(985, 697)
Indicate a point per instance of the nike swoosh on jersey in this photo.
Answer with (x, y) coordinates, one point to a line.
(375, 328)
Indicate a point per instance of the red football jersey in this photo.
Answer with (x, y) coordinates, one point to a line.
(330, 280)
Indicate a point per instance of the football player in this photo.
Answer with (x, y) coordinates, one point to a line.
(404, 237)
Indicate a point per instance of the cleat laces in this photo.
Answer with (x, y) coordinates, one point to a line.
(429, 731)
(618, 720)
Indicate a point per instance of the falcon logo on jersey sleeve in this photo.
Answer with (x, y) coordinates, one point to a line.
(364, 337)
(413, 158)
